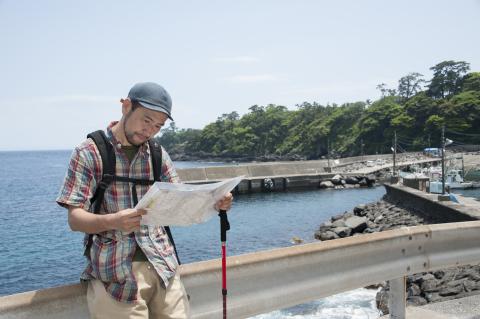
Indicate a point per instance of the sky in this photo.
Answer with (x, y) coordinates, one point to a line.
(65, 65)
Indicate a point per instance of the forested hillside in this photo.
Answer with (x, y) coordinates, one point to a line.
(416, 110)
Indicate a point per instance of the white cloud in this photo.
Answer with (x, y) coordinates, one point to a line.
(255, 78)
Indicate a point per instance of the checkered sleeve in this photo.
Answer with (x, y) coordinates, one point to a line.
(169, 173)
(79, 183)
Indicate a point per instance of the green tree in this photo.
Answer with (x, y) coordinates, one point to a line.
(447, 78)
(471, 82)
(409, 85)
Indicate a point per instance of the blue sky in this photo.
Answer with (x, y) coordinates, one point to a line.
(66, 64)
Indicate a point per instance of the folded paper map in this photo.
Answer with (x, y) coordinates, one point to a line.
(183, 204)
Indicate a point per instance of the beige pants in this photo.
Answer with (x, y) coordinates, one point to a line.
(154, 300)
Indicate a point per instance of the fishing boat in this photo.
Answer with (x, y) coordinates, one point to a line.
(453, 180)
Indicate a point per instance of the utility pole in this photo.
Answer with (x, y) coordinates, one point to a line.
(328, 154)
(361, 147)
(443, 160)
(394, 153)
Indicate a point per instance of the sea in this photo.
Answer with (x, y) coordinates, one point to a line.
(38, 250)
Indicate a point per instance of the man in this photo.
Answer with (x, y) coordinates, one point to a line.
(131, 268)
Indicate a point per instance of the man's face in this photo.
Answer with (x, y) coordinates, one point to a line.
(142, 124)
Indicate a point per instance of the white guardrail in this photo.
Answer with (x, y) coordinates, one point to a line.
(264, 281)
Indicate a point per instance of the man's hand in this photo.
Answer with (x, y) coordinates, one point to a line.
(127, 220)
(225, 203)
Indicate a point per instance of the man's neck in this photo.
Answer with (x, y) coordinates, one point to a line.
(119, 134)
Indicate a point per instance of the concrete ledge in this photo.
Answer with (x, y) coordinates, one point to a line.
(427, 205)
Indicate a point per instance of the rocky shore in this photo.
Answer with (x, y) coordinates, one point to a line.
(340, 182)
(422, 288)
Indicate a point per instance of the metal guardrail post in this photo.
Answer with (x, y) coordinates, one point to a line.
(397, 300)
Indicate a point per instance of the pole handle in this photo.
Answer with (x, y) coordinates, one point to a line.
(224, 225)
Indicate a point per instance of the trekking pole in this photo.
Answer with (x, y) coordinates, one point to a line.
(224, 226)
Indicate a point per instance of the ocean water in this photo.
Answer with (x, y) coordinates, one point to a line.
(38, 250)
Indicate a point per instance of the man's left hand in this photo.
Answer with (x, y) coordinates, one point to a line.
(225, 203)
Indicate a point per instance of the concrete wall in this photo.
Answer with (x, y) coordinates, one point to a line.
(427, 206)
(274, 169)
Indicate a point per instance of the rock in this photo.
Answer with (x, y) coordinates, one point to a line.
(371, 224)
(326, 184)
(343, 231)
(381, 300)
(359, 210)
(347, 215)
(417, 301)
(328, 235)
(429, 285)
(363, 182)
(339, 223)
(375, 286)
(325, 226)
(450, 291)
(357, 224)
(336, 217)
(414, 290)
(433, 296)
(439, 274)
(296, 240)
(378, 219)
(469, 285)
(337, 179)
(426, 277)
(351, 180)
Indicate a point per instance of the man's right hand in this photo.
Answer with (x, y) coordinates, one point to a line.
(127, 220)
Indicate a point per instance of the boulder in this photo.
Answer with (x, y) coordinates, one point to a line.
(451, 290)
(337, 180)
(429, 285)
(360, 210)
(328, 235)
(363, 182)
(339, 223)
(417, 301)
(343, 231)
(326, 184)
(414, 290)
(357, 224)
(336, 217)
(351, 180)
(325, 226)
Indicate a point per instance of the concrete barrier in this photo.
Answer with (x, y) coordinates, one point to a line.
(427, 206)
(264, 281)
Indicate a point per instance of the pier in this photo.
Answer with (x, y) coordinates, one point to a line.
(283, 176)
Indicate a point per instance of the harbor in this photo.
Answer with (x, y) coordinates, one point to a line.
(310, 180)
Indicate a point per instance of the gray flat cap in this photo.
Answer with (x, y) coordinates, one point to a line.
(152, 96)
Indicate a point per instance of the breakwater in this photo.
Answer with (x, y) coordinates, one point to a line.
(400, 207)
(280, 176)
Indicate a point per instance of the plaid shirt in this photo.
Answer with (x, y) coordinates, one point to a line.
(111, 252)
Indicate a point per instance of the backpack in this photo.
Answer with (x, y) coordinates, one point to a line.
(109, 163)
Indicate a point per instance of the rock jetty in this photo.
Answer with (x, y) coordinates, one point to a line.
(339, 182)
(422, 288)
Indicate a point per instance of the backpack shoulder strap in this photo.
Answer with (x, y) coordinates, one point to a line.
(156, 153)
(107, 154)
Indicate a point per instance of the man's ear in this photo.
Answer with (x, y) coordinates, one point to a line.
(126, 105)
